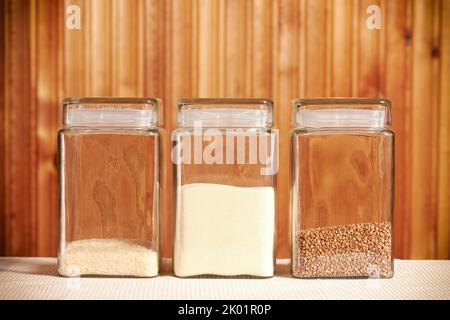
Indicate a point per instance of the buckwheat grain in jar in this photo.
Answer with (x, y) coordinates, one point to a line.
(109, 187)
(226, 160)
(342, 188)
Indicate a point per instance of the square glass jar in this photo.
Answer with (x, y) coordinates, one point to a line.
(342, 188)
(225, 158)
(108, 165)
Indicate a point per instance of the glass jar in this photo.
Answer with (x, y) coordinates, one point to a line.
(342, 191)
(225, 158)
(108, 168)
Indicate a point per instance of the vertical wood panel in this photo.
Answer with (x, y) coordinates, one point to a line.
(356, 30)
(48, 96)
(424, 112)
(87, 52)
(396, 83)
(128, 48)
(154, 86)
(302, 49)
(314, 69)
(20, 124)
(261, 52)
(435, 128)
(74, 68)
(179, 84)
(207, 48)
(2, 129)
(286, 87)
(181, 75)
(100, 53)
(368, 76)
(382, 56)
(444, 136)
(154, 48)
(166, 221)
(341, 68)
(235, 46)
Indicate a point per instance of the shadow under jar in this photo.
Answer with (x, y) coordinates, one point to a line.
(225, 163)
(108, 187)
(342, 192)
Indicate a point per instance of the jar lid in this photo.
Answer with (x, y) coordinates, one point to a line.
(342, 113)
(112, 112)
(226, 112)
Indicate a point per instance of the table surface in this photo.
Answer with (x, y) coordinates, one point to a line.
(37, 278)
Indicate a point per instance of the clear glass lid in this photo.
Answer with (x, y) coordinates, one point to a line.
(112, 112)
(342, 113)
(226, 112)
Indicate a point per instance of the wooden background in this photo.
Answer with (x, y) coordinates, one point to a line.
(235, 48)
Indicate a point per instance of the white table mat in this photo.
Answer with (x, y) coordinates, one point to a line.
(36, 278)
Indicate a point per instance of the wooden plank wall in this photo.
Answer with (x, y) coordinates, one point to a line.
(280, 49)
